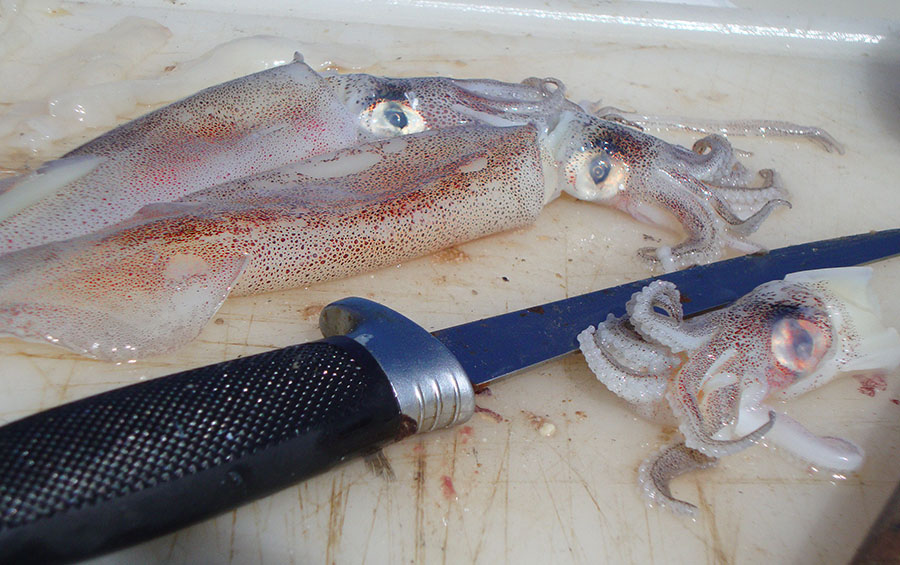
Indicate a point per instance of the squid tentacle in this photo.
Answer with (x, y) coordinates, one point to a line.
(743, 199)
(751, 224)
(741, 226)
(616, 336)
(707, 219)
(679, 193)
(720, 164)
(669, 330)
(658, 470)
(768, 182)
(663, 329)
(534, 100)
(687, 410)
(633, 369)
(759, 128)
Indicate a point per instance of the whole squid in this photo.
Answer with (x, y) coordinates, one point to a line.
(283, 115)
(712, 374)
(138, 240)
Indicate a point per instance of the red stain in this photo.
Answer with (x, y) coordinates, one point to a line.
(869, 385)
(489, 413)
(447, 487)
(466, 432)
(896, 401)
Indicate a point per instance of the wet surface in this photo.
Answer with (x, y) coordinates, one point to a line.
(519, 495)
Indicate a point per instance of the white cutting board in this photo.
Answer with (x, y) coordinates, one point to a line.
(551, 477)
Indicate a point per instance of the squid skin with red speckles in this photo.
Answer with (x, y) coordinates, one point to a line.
(711, 374)
(151, 283)
(286, 114)
(126, 246)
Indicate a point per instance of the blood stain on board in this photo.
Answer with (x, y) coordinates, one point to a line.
(487, 412)
(311, 311)
(447, 487)
(871, 384)
(466, 433)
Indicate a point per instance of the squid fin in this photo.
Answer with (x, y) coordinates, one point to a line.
(119, 308)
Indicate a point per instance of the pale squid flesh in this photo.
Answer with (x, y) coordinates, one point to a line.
(149, 284)
(290, 113)
(712, 374)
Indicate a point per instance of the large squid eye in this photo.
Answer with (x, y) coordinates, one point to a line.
(387, 118)
(600, 168)
(798, 345)
(396, 118)
(595, 176)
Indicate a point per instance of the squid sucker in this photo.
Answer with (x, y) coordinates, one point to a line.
(126, 246)
(712, 373)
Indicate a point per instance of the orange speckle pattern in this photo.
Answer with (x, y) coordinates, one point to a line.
(151, 283)
(228, 131)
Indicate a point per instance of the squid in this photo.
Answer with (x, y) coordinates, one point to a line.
(290, 113)
(711, 375)
(127, 246)
(150, 283)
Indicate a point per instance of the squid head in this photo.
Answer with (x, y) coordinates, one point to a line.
(714, 372)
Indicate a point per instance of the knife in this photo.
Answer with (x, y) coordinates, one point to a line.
(134, 463)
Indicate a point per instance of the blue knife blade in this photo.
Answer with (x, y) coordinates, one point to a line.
(134, 463)
(540, 333)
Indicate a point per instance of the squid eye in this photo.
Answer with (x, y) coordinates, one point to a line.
(396, 118)
(595, 176)
(387, 118)
(798, 345)
(600, 169)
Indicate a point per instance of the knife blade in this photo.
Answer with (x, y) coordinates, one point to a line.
(137, 462)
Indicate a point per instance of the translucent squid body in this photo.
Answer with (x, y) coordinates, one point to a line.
(286, 114)
(151, 283)
(242, 127)
(126, 246)
(712, 373)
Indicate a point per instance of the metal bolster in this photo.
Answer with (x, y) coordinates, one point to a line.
(431, 386)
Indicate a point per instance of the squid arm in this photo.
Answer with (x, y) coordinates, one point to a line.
(762, 128)
(658, 470)
(780, 340)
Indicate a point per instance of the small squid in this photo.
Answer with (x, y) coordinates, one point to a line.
(712, 374)
(286, 114)
(150, 284)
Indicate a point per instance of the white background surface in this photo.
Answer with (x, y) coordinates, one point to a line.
(520, 496)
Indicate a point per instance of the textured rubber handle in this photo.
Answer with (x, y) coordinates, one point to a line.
(137, 462)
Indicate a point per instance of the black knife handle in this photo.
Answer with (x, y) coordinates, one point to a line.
(133, 463)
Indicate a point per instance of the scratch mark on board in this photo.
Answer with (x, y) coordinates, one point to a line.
(419, 479)
(715, 537)
(336, 517)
